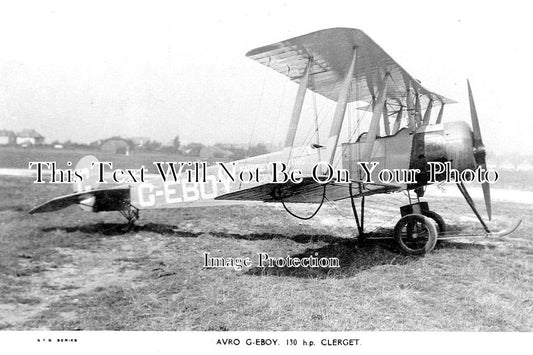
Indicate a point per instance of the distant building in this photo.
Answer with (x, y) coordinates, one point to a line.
(192, 149)
(244, 146)
(140, 142)
(116, 146)
(214, 152)
(7, 137)
(29, 137)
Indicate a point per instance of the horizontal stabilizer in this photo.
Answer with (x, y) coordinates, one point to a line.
(111, 199)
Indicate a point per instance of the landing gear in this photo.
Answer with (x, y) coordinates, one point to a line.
(417, 231)
(415, 234)
(131, 213)
(437, 219)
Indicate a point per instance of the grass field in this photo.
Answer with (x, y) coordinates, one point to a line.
(73, 270)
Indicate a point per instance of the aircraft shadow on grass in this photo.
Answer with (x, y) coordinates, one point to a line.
(353, 258)
(115, 229)
(379, 249)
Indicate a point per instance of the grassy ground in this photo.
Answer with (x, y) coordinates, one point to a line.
(76, 270)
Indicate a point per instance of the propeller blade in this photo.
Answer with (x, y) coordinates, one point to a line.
(486, 195)
(479, 149)
(473, 115)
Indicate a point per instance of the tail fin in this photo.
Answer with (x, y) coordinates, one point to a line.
(88, 168)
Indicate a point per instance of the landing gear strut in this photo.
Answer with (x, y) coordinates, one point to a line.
(423, 209)
(360, 223)
(415, 233)
(131, 213)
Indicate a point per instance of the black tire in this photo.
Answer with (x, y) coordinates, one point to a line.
(415, 234)
(441, 225)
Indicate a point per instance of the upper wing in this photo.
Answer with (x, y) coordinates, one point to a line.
(112, 199)
(331, 51)
(308, 191)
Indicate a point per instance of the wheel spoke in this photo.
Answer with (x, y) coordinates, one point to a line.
(415, 234)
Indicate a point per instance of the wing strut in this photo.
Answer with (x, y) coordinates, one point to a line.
(338, 116)
(398, 121)
(297, 109)
(427, 114)
(386, 123)
(376, 115)
(410, 110)
(441, 111)
(418, 110)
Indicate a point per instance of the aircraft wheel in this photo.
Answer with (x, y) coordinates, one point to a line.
(415, 234)
(441, 225)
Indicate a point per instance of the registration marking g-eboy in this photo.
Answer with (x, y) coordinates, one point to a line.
(178, 184)
(171, 192)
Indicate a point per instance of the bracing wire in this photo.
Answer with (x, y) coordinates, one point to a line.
(279, 115)
(310, 133)
(337, 209)
(352, 134)
(317, 126)
(257, 113)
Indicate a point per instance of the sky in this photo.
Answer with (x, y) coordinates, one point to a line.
(90, 70)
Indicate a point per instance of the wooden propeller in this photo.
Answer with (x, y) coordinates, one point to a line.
(479, 150)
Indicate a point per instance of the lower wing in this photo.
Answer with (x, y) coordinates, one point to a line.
(308, 191)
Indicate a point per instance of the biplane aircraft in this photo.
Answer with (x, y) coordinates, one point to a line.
(343, 65)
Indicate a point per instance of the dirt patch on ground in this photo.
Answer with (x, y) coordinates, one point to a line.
(103, 266)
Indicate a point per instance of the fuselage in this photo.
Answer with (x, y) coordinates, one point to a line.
(405, 150)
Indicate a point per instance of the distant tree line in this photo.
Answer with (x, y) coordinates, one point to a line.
(514, 161)
(193, 149)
